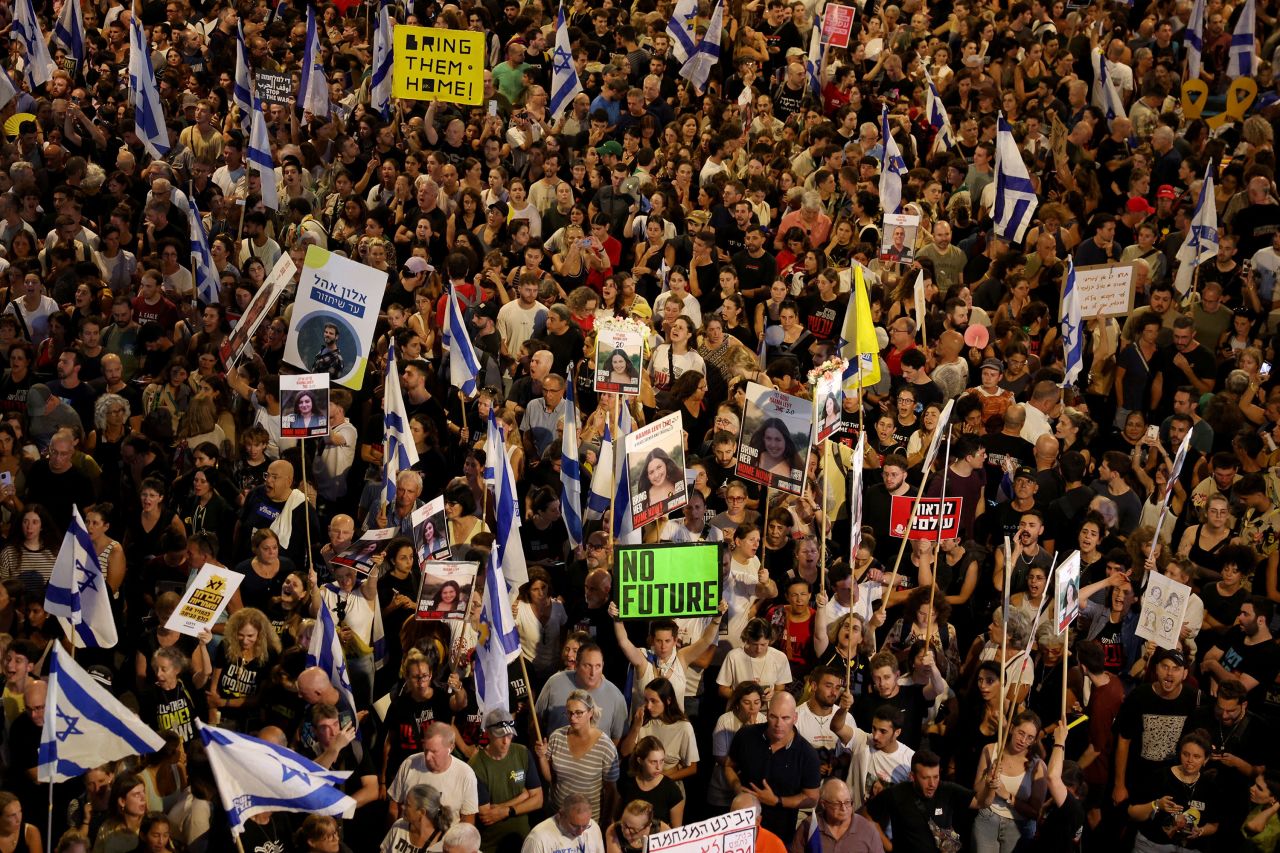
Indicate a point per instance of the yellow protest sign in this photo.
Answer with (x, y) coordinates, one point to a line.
(438, 65)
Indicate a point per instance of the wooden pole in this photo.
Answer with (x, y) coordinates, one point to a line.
(822, 559)
(613, 473)
(1004, 639)
(915, 509)
(1066, 649)
(306, 502)
(537, 730)
(937, 548)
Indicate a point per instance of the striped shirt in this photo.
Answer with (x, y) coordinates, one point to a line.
(582, 775)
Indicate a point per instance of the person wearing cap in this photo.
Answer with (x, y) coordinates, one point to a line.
(995, 400)
(1149, 722)
(509, 785)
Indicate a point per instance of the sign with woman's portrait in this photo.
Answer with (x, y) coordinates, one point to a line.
(828, 399)
(774, 443)
(430, 531)
(1067, 597)
(446, 589)
(655, 466)
(619, 356)
(304, 405)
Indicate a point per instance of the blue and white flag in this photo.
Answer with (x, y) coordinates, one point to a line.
(1106, 95)
(1193, 38)
(565, 85)
(1201, 243)
(813, 841)
(697, 69)
(506, 508)
(256, 776)
(893, 171)
(26, 29)
(260, 155)
(326, 652)
(624, 528)
(500, 646)
(817, 50)
(7, 90)
(77, 589)
(680, 28)
(601, 478)
(313, 88)
(938, 119)
(1243, 60)
(464, 366)
(205, 273)
(69, 28)
(398, 450)
(242, 89)
(148, 115)
(1016, 199)
(571, 468)
(380, 85)
(84, 725)
(1072, 327)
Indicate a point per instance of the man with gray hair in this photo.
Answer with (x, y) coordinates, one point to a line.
(571, 828)
(839, 827)
(436, 766)
(461, 838)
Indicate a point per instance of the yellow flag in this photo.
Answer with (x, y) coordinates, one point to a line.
(858, 337)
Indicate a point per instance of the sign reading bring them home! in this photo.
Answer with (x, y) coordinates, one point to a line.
(438, 65)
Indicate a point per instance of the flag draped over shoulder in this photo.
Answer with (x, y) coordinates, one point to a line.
(77, 589)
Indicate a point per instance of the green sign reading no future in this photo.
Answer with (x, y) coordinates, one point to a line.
(668, 581)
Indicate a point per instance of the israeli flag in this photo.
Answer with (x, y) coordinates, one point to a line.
(570, 468)
(69, 28)
(77, 589)
(1193, 38)
(84, 725)
(7, 92)
(1072, 327)
(148, 115)
(260, 156)
(565, 85)
(624, 528)
(27, 30)
(206, 274)
(1201, 243)
(855, 498)
(380, 86)
(506, 508)
(398, 450)
(601, 478)
(938, 119)
(325, 652)
(813, 841)
(813, 64)
(464, 366)
(1106, 95)
(242, 89)
(893, 170)
(1242, 62)
(697, 68)
(501, 645)
(255, 776)
(1016, 199)
(313, 88)
(680, 28)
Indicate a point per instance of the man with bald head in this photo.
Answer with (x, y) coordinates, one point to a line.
(839, 827)
(951, 374)
(24, 745)
(771, 761)
(766, 841)
(278, 505)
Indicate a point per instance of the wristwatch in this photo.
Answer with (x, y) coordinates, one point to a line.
(511, 811)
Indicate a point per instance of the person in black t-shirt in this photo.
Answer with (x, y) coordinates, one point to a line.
(418, 702)
(924, 806)
(912, 699)
(1063, 823)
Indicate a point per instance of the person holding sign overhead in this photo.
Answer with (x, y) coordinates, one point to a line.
(665, 658)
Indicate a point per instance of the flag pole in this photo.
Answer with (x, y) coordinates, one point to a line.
(528, 685)
(1066, 648)
(306, 500)
(613, 472)
(937, 548)
(822, 561)
(1004, 635)
(915, 509)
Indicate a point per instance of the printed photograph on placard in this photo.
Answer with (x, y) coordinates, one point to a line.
(446, 588)
(304, 405)
(619, 357)
(1067, 580)
(359, 554)
(828, 402)
(898, 240)
(430, 530)
(774, 443)
(655, 468)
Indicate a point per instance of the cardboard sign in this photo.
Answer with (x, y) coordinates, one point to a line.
(334, 317)
(274, 88)
(655, 469)
(734, 832)
(773, 445)
(1067, 592)
(927, 518)
(437, 65)
(837, 23)
(619, 359)
(1164, 604)
(446, 589)
(304, 405)
(359, 554)
(668, 581)
(1107, 289)
(272, 286)
(205, 599)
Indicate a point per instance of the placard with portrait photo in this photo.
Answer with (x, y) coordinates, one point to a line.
(430, 531)
(655, 466)
(773, 446)
(446, 589)
(898, 238)
(304, 405)
(619, 358)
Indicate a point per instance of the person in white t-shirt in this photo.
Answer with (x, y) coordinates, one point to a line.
(824, 720)
(747, 581)
(757, 660)
(436, 766)
(888, 761)
(570, 830)
(665, 658)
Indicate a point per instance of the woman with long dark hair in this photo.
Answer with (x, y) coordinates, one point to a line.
(660, 716)
(33, 547)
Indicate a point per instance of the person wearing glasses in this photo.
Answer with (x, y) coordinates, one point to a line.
(902, 337)
(570, 828)
(839, 827)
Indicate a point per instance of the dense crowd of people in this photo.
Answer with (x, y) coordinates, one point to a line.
(913, 695)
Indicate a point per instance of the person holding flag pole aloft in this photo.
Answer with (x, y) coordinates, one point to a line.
(937, 548)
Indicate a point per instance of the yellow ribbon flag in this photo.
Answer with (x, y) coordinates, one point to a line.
(858, 337)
